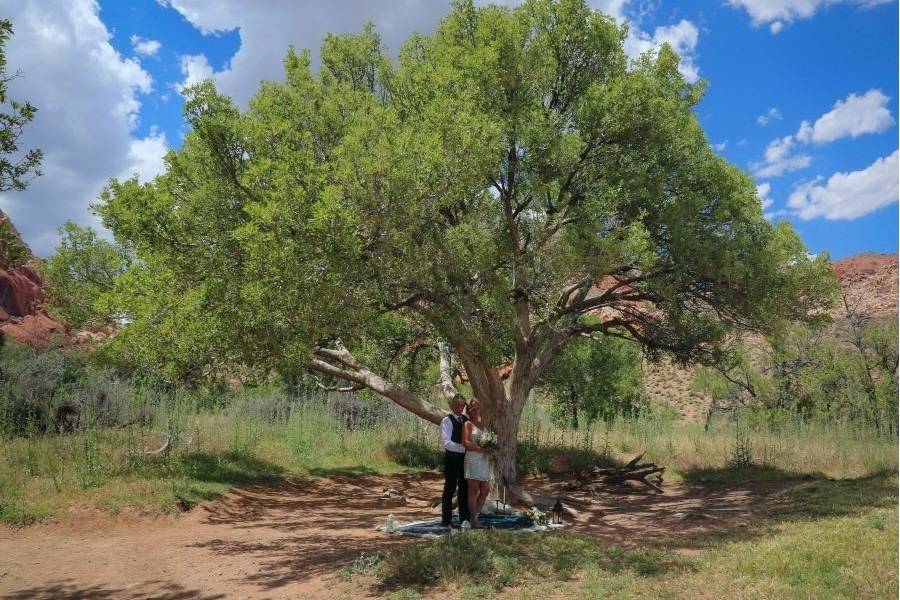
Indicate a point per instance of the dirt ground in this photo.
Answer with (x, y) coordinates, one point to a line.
(289, 539)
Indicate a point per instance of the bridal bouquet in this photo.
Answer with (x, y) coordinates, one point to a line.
(487, 440)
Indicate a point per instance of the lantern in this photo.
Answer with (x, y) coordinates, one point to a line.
(557, 511)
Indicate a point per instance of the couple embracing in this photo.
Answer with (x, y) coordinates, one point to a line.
(466, 467)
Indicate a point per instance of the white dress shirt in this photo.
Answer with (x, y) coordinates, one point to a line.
(447, 433)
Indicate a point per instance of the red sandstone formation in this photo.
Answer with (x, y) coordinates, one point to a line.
(22, 314)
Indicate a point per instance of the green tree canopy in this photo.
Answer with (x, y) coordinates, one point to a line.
(15, 167)
(83, 269)
(509, 182)
(594, 378)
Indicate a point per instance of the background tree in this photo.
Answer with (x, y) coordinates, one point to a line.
(509, 184)
(840, 372)
(13, 251)
(594, 379)
(881, 345)
(15, 168)
(83, 268)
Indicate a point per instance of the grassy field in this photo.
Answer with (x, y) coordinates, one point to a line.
(834, 537)
(264, 434)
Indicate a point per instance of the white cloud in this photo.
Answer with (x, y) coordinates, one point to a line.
(195, 68)
(780, 158)
(848, 195)
(614, 8)
(720, 146)
(267, 31)
(777, 13)
(852, 117)
(144, 46)
(87, 96)
(762, 192)
(146, 156)
(682, 36)
(771, 115)
(779, 149)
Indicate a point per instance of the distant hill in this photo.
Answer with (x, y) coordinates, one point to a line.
(869, 280)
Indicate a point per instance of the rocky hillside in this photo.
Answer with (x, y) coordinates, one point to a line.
(22, 314)
(868, 280)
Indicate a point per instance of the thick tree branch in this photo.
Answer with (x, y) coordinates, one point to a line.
(448, 390)
(354, 371)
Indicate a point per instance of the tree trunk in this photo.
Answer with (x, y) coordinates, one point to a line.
(856, 323)
(573, 404)
(503, 403)
(505, 424)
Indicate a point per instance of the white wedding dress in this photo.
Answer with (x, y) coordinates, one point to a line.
(476, 463)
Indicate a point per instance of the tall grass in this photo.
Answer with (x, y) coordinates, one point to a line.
(255, 434)
(789, 446)
(217, 439)
(740, 446)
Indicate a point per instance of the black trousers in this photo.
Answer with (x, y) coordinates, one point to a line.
(454, 479)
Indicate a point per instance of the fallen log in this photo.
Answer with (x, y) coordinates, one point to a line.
(633, 470)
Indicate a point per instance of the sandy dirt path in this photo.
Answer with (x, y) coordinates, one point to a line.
(289, 539)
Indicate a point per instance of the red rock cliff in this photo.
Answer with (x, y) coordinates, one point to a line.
(22, 314)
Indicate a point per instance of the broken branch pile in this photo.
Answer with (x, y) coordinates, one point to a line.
(616, 476)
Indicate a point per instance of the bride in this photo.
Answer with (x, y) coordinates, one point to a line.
(477, 469)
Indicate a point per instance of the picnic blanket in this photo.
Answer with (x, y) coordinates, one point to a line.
(433, 528)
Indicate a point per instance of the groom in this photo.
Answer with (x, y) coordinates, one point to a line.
(454, 456)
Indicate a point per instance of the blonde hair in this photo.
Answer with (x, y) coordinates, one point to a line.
(473, 403)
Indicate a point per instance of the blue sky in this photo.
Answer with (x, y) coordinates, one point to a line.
(802, 93)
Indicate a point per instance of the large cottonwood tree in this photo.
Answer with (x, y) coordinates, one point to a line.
(510, 182)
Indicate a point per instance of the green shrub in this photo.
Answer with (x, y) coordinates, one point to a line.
(415, 453)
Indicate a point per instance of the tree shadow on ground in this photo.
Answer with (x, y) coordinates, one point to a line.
(498, 559)
(745, 474)
(199, 469)
(352, 471)
(810, 499)
(228, 468)
(68, 590)
(823, 498)
(320, 523)
(639, 532)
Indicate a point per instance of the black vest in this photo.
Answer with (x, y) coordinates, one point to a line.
(456, 436)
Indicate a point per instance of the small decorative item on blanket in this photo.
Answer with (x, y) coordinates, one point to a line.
(391, 524)
(487, 440)
(536, 516)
